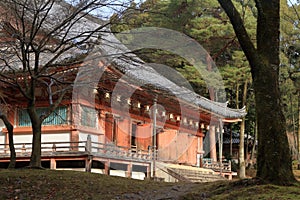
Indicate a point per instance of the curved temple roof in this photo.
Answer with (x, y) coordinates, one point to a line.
(139, 71)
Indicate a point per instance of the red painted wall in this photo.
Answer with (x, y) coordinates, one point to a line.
(189, 150)
(108, 127)
(144, 136)
(178, 147)
(123, 133)
(167, 142)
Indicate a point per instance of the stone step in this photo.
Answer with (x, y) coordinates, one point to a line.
(204, 180)
(198, 176)
(203, 176)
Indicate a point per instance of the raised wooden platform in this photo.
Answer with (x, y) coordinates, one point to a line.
(86, 151)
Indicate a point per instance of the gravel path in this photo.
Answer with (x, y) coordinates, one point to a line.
(173, 192)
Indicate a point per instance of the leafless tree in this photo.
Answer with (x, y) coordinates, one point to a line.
(39, 40)
(4, 108)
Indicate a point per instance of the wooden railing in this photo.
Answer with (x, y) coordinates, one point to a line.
(45, 147)
(111, 150)
(86, 147)
(225, 166)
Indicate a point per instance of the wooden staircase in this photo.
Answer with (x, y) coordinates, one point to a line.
(191, 174)
(198, 176)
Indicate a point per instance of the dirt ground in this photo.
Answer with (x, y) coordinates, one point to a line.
(172, 192)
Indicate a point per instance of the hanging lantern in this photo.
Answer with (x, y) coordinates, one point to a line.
(202, 126)
(118, 98)
(185, 120)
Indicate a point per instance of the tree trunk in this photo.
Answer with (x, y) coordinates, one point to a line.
(247, 149)
(242, 165)
(10, 129)
(294, 146)
(230, 147)
(254, 144)
(237, 95)
(298, 135)
(35, 159)
(274, 159)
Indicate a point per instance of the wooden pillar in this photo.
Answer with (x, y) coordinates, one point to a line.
(212, 143)
(52, 163)
(89, 159)
(23, 148)
(88, 145)
(201, 160)
(148, 173)
(76, 114)
(230, 147)
(154, 136)
(74, 137)
(88, 163)
(109, 120)
(129, 170)
(101, 120)
(106, 167)
(200, 151)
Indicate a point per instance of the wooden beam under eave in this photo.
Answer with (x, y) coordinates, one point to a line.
(45, 129)
(232, 120)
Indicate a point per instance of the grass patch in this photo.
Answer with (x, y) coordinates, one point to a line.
(51, 184)
(248, 189)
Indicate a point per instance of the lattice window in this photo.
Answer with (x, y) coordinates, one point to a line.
(57, 117)
(88, 116)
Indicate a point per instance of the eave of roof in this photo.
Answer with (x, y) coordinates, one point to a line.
(135, 68)
(143, 74)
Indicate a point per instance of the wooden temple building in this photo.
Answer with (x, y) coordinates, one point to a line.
(119, 115)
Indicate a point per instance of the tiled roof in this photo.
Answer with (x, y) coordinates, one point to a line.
(144, 74)
(235, 137)
(134, 67)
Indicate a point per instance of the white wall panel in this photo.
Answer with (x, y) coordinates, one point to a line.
(2, 139)
(58, 137)
(22, 139)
